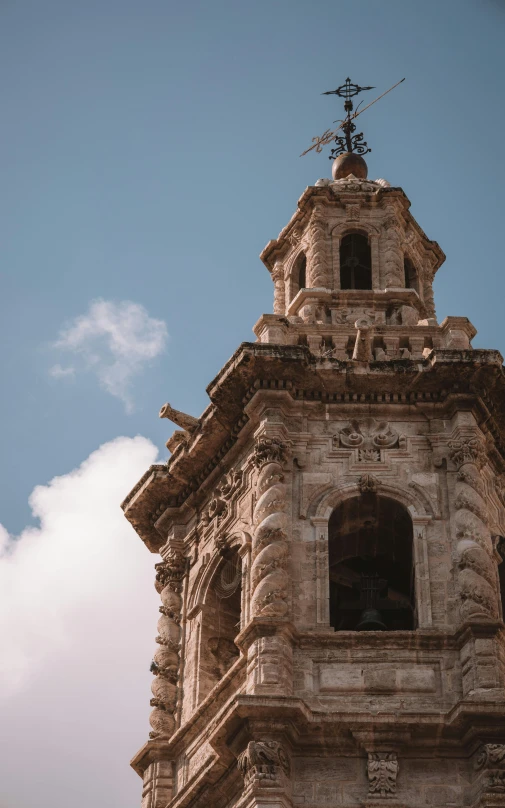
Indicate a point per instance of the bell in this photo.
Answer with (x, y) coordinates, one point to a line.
(371, 620)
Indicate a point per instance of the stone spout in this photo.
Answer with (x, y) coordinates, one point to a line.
(362, 347)
(183, 420)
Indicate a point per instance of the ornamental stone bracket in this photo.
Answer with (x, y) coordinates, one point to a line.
(265, 765)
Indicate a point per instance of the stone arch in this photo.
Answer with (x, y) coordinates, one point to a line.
(324, 501)
(198, 594)
(291, 275)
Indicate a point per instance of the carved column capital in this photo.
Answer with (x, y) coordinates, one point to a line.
(269, 450)
(467, 450)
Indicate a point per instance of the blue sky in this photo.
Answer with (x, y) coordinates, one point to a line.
(149, 151)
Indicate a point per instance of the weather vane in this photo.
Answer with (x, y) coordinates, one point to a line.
(348, 141)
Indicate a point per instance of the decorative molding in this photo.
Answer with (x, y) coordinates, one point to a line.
(382, 770)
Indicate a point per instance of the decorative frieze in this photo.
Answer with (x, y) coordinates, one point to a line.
(382, 771)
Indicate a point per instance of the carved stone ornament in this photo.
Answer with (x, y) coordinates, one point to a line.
(491, 758)
(269, 450)
(223, 493)
(382, 771)
(500, 488)
(352, 212)
(263, 761)
(368, 484)
(369, 437)
(467, 450)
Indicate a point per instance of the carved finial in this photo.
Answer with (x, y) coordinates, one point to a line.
(183, 420)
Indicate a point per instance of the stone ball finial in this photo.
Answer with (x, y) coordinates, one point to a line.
(349, 163)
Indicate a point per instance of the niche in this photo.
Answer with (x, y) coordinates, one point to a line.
(220, 622)
(299, 274)
(355, 262)
(370, 565)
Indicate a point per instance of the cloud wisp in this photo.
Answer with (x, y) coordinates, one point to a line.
(78, 616)
(115, 341)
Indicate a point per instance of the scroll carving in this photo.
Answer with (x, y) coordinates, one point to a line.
(269, 580)
(476, 567)
(491, 758)
(368, 484)
(223, 494)
(382, 771)
(317, 253)
(165, 664)
(369, 438)
(263, 761)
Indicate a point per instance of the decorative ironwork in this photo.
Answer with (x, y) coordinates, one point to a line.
(348, 141)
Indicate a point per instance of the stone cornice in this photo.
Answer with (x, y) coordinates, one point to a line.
(301, 375)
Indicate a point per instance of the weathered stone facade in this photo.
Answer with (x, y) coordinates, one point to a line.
(331, 628)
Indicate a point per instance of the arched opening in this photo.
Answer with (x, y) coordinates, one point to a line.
(411, 277)
(355, 262)
(300, 273)
(370, 565)
(220, 622)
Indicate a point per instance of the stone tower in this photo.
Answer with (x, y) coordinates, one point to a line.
(332, 574)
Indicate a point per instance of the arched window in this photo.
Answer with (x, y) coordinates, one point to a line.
(411, 279)
(300, 273)
(370, 565)
(220, 622)
(355, 262)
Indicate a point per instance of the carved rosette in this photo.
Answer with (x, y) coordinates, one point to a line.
(165, 664)
(476, 566)
(269, 579)
(491, 759)
(317, 258)
(382, 771)
(263, 763)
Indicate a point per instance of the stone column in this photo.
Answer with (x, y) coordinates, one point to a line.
(476, 577)
(317, 256)
(158, 784)
(165, 664)
(392, 272)
(335, 249)
(269, 579)
(374, 250)
(279, 289)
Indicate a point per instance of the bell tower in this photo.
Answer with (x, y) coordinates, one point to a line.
(332, 570)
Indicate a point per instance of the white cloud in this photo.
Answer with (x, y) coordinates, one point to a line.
(115, 341)
(78, 615)
(57, 372)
